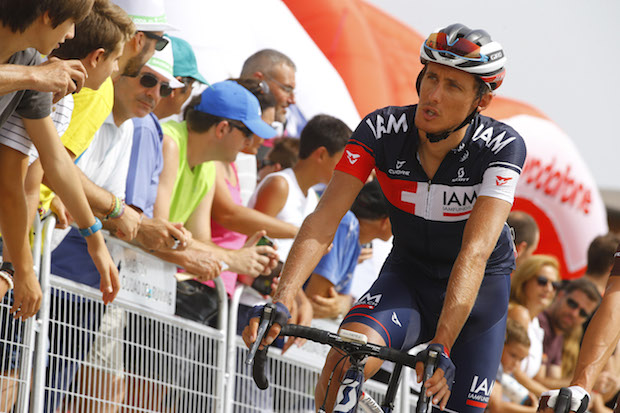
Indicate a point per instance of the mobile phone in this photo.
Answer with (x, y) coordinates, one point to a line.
(265, 240)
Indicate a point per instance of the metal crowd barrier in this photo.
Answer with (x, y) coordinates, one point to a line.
(134, 355)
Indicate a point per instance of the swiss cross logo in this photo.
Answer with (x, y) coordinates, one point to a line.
(352, 157)
(500, 180)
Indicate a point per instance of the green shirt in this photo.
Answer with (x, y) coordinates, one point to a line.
(191, 185)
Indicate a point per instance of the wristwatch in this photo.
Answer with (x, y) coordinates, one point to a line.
(87, 232)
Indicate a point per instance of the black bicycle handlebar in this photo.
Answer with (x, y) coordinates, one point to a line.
(334, 340)
(562, 404)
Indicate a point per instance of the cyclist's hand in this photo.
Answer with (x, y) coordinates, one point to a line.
(303, 317)
(279, 317)
(578, 403)
(440, 384)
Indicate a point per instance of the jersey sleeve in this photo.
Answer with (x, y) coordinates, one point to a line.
(359, 154)
(502, 173)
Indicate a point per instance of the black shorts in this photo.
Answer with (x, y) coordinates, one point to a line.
(404, 307)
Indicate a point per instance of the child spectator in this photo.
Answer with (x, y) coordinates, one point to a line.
(288, 194)
(508, 395)
(283, 155)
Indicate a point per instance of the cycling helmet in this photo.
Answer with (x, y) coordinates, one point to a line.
(472, 51)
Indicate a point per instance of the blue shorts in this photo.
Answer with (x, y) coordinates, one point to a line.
(404, 307)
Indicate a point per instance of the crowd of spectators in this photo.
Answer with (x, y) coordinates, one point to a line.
(213, 190)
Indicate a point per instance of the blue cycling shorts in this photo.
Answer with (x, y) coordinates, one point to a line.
(403, 306)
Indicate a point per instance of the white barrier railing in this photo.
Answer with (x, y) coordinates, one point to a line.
(130, 357)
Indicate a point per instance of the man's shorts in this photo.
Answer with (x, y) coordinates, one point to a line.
(403, 306)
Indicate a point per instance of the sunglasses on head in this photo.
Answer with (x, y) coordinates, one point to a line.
(462, 48)
(244, 129)
(160, 42)
(148, 80)
(544, 281)
(574, 305)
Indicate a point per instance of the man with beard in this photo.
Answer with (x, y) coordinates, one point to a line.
(572, 306)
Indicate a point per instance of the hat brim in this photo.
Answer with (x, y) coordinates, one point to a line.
(155, 27)
(261, 128)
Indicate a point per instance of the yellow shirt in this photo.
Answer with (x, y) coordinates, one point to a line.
(91, 108)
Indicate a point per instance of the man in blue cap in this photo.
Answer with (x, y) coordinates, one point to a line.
(186, 71)
(218, 124)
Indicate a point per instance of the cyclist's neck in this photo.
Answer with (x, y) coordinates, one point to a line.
(431, 154)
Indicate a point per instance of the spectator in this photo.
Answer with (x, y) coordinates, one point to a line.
(246, 162)
(283, 155)
(330, 283)
(186, 71)
(231, 221)
(105, 163)
(219, 123)
(508, 396)
(601, 260)
(77, 117)
(278, 70)
(526, 234)
(532, 289)
(27, 29)
(288, 194)
(151, 22)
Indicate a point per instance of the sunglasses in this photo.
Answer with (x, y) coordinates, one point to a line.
(461, 48)
(244, 129)
(288, 89)
(574, 305)
(160, 42)
(149, 81)
(544, 281)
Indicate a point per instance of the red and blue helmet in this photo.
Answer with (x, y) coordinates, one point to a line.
(472, 51)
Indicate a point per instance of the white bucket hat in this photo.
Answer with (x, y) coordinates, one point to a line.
(163, 63)
(147, 15)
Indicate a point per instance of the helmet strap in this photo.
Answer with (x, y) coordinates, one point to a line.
(439, 136)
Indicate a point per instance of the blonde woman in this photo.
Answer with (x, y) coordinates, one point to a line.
(532, 289)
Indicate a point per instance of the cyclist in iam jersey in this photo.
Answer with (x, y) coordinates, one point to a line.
(449, 175)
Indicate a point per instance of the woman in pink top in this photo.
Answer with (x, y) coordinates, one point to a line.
(231, 222)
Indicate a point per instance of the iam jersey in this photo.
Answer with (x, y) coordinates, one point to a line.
(429, 215)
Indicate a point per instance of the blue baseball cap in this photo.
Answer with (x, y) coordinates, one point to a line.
(230, 100)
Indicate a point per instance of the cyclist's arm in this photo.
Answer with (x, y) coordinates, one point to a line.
(600, 338)
(315, 235)
(479, 238)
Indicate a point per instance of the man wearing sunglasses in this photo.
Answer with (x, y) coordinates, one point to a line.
(598, 344)
(572, 306)
(151, 22)
(278, 70)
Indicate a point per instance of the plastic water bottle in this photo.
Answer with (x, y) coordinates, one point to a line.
(513, 390)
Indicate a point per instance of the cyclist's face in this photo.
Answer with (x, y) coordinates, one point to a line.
(512, 355)
(447, 96)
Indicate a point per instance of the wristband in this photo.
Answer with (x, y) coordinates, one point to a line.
(87, 232)
(119, 208)
(6, 273)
